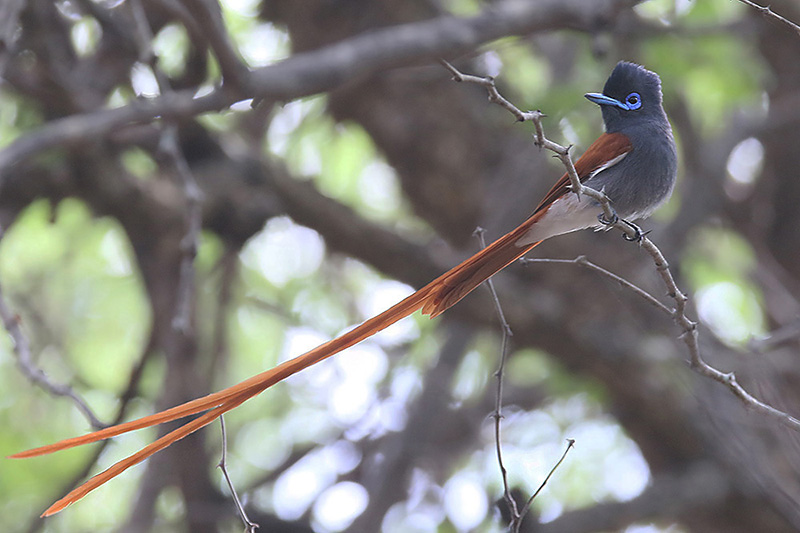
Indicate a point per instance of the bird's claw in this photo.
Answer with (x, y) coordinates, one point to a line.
(638, 234)
(607, 222)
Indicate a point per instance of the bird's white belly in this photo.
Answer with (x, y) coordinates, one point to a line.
(565, 215)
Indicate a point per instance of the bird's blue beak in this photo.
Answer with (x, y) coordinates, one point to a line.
(601, 99)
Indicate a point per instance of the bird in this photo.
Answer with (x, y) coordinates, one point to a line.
(634, 162)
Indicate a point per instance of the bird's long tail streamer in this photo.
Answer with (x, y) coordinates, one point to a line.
(433, 299)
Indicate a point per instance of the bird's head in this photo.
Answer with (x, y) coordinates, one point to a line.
(631, 96)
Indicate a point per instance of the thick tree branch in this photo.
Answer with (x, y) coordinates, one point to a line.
(320, 70)
(209, 18)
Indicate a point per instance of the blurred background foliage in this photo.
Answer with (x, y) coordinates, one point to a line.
(74, 280)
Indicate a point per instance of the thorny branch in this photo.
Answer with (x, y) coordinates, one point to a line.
(690, 337)
(768, 12)
(562, 152)
(517, 515)
(678, 313)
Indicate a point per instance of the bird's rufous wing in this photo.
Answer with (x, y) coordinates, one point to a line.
(607, 148)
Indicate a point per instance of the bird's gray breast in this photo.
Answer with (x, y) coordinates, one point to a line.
(644, 178)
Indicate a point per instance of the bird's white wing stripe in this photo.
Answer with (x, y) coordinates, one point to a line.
(608, 164)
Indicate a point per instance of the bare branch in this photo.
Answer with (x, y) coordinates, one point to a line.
(570, 445)
(768, 12)
(690, 337)
(689, 334)
(249, 526)
(320, 70)
(85, 127)
(516, 517)
(583, 261)
(494, 95)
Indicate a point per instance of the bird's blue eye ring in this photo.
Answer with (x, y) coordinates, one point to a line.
(633, 101)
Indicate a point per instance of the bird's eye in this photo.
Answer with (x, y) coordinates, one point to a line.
(633, 101)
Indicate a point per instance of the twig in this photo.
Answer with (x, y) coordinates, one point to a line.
(689, 328)
(516, 517)
(689, 334)
(583, 261)
(249, 526)
(495, 97)
(768, 12)
(36, 375)
(570, 445)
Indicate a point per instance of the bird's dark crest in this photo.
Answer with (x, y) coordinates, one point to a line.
(627, 77)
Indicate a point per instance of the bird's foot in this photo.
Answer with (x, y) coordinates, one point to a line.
(638, 234)
(601, 218)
